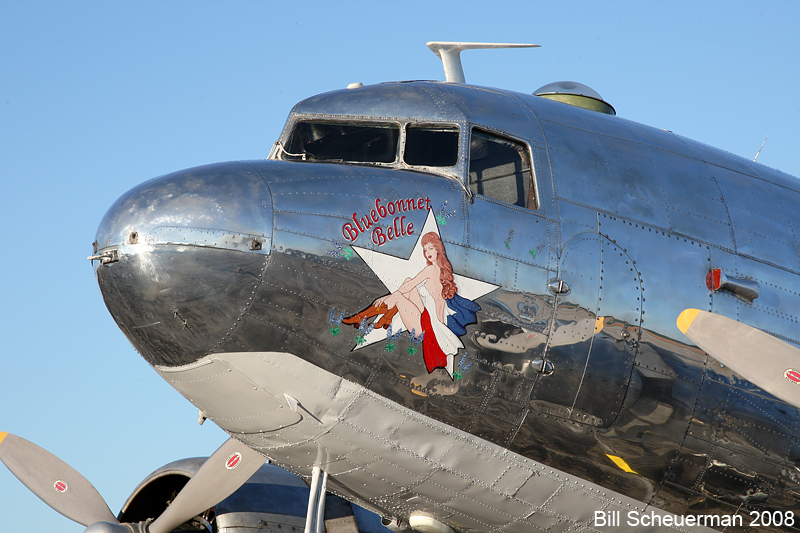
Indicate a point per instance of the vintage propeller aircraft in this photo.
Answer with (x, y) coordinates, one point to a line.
(466, 309)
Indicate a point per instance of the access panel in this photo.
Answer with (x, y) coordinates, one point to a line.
(594, 334)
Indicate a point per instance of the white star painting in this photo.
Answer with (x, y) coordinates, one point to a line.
(393, 271)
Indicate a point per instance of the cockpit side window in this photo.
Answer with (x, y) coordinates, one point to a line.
(431, 145)
(500, 168)
(349, 143)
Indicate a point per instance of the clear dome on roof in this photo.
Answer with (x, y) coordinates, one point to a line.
(568, 87)
(567, 91)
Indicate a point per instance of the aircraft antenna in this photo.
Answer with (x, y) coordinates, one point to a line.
(450, 54)
(759, 150)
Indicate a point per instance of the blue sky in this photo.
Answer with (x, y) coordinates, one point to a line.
(96, 97)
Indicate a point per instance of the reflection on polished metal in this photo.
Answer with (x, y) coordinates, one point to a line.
(571, 392)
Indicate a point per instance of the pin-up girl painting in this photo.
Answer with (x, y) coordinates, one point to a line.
(429, 304)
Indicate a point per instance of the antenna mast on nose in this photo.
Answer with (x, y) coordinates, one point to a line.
(450, 54)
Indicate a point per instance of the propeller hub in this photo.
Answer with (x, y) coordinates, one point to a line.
(107, 527)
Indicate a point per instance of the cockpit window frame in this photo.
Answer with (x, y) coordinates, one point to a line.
(443, 126)
(535, 203)
(343, 121)
(456, 172)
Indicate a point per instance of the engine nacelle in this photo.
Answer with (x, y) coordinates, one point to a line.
(273, 500)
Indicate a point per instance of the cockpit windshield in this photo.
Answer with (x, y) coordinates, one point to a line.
(497, 167)
(431, 145)
(374, 143)
(349, 143)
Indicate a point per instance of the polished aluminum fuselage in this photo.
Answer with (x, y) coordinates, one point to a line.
(577, 361)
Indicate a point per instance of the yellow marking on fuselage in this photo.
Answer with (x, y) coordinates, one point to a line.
(620, 462)
(598, 324)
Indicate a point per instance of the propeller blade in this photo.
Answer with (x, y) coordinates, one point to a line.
(54, 481)
(738, 346)
(219, 477)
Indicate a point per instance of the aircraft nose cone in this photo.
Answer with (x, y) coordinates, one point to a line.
(180, 256)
